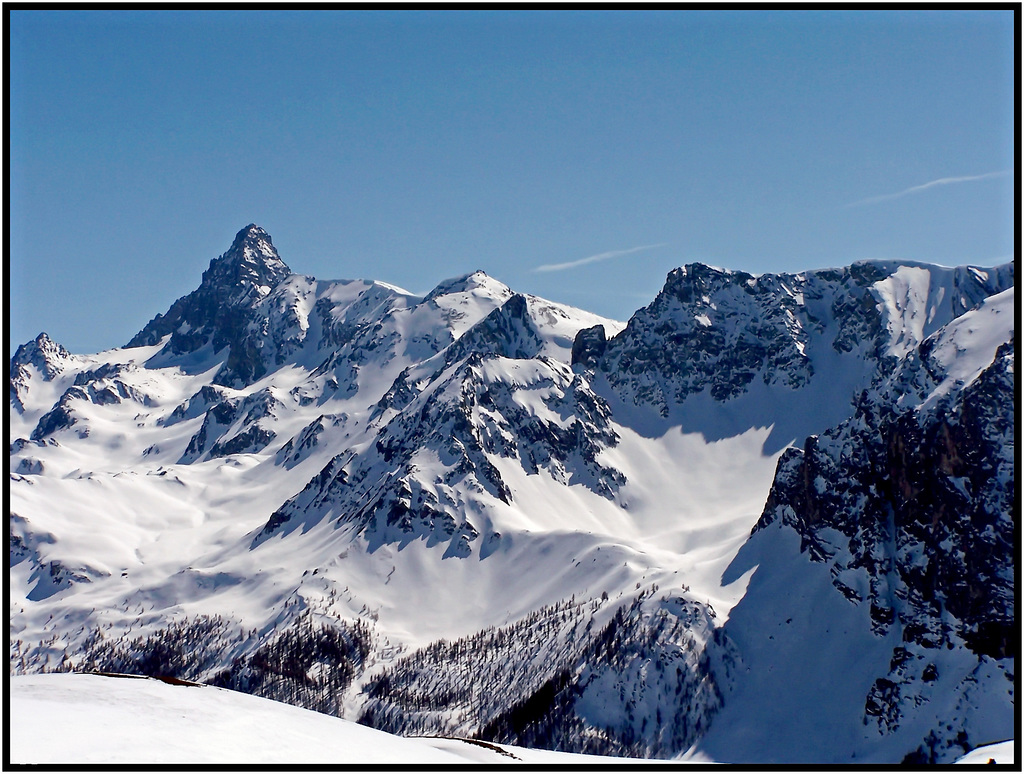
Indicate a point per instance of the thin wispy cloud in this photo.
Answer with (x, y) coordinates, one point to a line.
(925, 186)
(595, 258)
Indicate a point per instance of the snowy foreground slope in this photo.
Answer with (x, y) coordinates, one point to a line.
(117, 720)
(481, 514)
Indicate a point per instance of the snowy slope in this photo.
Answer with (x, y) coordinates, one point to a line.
(125, 721)
(111, 720)
(313, 490)
(1000, 752)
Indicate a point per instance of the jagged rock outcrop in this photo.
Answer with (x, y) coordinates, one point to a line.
(301, 445)
(508, 331)
(589, 345)
(486, 407)
(911, 504)
(61, 416)
(223, 312)
(232, 426)
(722, 333)
(43, 354)
(717, 331)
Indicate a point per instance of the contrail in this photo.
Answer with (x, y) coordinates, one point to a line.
(595, 258)
(926, 186)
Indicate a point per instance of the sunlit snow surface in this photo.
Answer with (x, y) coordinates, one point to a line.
(90, 719)
(111, 720)
(1000, 752)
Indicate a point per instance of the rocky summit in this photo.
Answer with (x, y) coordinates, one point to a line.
(769, 519)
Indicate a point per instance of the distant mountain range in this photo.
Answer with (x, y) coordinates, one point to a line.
(771, 518)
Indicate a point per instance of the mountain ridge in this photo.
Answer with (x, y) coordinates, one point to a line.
(311, 488)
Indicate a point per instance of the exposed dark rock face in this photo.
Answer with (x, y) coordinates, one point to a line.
(508, 331)
(61, 416)
(299, 447)
(197, 405)
(723, 332)
(911, 503)
(231, 426)
(934, 484)
(713, 330)
(106, 385)
(96, 387)
(224, 310)
(588, 347)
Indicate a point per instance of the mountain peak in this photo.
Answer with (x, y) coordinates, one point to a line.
(252, 231)
(252, 261)
(254, 239)
(702, 276)
(475, 282)
(41, 346)
(219, 310)
(42, 352)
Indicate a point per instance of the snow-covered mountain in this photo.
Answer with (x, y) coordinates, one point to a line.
(481, 514)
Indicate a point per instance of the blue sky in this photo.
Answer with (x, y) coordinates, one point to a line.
(576, 156)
